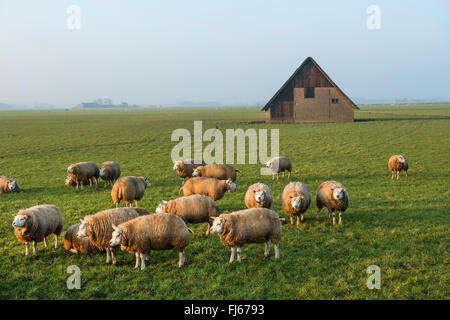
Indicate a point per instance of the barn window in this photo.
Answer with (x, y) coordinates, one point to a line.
(334, 100)
(309, 92)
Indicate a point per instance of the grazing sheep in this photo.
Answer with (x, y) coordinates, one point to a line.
(75, 244)
(158, 231)
(279, 164)
(109, 172)
(9, 185)
(129, 189)
(82, 171)
(70, 183)
(296, 198)
(196, 208)
(185, 168)
(258, 195)
(256, 225)
(396, 164)
(334, 196)
(36, 223)
(208, 186)
(218, 171)
(98, 227)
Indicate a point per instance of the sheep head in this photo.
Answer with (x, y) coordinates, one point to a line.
(19, 220)
(116, 238)
(217, 225)
(197, 172)
(178, 165)
(338, 193)
(102, 172)
(13, 185)
(161, 208)
(82, 229)
(296, 201)
(259, 195)
(231, 185)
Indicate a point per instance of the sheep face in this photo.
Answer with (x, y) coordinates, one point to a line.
(147, 183)
(102, 172)
(197, 172)
(296, 202)
(13, 185)
(338, 193)
(217, 226)
(401, 159)
(177, 165)
(116, 238)
(161, 208)
(259, 195)
(272, 164)
(82, 229)
(19, 220)
(69, 181)
(231, 185)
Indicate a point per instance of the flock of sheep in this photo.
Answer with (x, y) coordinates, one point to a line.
(138, 231)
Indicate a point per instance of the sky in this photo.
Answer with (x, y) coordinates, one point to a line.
(228, 51)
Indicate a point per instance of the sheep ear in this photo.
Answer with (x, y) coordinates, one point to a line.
(13, 214)
(82, 221)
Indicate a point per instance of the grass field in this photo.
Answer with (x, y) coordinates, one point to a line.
(401, 226)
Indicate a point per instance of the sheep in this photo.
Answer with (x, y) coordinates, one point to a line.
(160, 231)
(185, 168)
(255, 225)
(396, 164)
(258, 195)
(334, 196)
(279, 164)
(98, 228)
(82, 171)
(9, 185)
(75, 244)
(36, 223)
(129, 189)
(109, 172)
(208, 186)
(70, 183)
(218, 171)
(296, 198)
(195, 208)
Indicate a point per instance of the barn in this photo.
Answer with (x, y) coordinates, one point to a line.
(309, 95)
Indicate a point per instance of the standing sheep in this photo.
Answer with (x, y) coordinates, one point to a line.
(36, 223)
(296, 198)
(9, 185)
(218, 171)
(396, 164)
(185, 168)
(334, 197)
(153, 232)
(196, 208)
(129, 189)
(258, 195)
(75, 244)
(82, 171)
(109, 172)
(98, 227)
(279, 164)
(256, 225)
(208, 186)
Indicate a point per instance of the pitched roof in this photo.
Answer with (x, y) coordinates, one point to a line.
(309, 59)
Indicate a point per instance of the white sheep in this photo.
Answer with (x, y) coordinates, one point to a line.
(279, 164)
(332, 195)
(258, 195)
(296, 198)
(208, 186)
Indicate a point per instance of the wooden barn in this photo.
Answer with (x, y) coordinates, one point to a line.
(309, 95)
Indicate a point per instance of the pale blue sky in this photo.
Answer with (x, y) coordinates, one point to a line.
(163, 52)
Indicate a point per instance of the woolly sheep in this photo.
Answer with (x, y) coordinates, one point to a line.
(109, 172)
(98, 227)
(129, 189)
(75, 244)
(255, 225)
(158, 231)
(9, 185)
(296, 198)
(185, 168)
(333, 196)
(396, 164)
(196, 208)
(82, 171)
(218, 171)
(36, 223)
(279, 164)
(258, 195)
(208, 186)
(70, 183)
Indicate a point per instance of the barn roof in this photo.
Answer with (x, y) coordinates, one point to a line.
(309, 59)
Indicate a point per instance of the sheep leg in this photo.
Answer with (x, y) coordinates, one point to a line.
(138, 260)
(267, 249)
(406, 174)
(292, 220)
(117, 204)
(27, 250)
(113, 256)
(34, 247)
(398, 175)
(181, 258)
(209, 227)
(136, 203)
(233, 251)
(334, 219)
(340, 217)
(277, 251)
(298, 220)
(45, 242)
(278, 176)
(239, 251)
(142, 261)
(96, 182)
(289, 174)
(56, 241)
(392, 177)
(108, 257)
(273, 176)
(302, 218)
(283, 173)
(81, 183)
